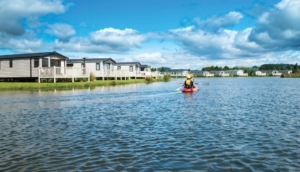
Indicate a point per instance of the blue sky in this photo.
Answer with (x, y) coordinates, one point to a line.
(174, 33)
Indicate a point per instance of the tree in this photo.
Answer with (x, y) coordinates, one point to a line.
(162, 69)
(251, 73)
(296, 68)
(226, 68)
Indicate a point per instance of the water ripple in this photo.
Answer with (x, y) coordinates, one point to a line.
(246, 124)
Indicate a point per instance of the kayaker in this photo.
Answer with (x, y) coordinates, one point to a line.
(192, 79)
(188, 83)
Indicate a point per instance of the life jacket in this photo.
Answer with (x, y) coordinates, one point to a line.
(187, 83)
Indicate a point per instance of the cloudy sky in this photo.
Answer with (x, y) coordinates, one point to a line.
(174, 33)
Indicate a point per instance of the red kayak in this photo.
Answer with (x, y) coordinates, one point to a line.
(189, 89)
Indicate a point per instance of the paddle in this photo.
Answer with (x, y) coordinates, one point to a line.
(178, 89)
(204, 83)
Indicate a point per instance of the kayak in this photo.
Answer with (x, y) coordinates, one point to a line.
(189, 89)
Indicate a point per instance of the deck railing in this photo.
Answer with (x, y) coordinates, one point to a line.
(72, 72)
(63, 72)
(127, 73)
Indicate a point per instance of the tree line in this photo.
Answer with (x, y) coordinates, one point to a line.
(279, 67)
(294, 68)
(250, 71)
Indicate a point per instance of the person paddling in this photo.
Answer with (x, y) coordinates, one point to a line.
(192, 79)
(188, 83)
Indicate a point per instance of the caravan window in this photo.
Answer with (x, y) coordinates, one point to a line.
(10, 63)
(44, 62)
(130, 68)
(36, 62)
(119, 68)
(97, 66)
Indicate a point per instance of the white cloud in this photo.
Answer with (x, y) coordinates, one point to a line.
(152, 58)
(241, 42)
(125, 40)
(279, 29)
(216, 22)
(62, 31)
(26, 43)
(211, 45)
(13, 11)
(108, 40)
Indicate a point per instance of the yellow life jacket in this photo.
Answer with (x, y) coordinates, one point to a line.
(187, 82)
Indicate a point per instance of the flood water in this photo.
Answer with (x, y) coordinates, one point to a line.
(230, 124)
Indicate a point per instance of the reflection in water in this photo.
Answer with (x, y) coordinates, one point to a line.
(245, 124)
(188, 94)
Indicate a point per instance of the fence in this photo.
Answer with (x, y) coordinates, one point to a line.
(63, 72)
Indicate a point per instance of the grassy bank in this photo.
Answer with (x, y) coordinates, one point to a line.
(65, 85)
(291, 75)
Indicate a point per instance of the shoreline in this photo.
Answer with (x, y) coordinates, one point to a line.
(6, 86)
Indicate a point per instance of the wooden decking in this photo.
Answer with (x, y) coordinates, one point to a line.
(63, 72)
(71, 72)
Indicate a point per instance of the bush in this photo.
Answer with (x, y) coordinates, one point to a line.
(92, 77)
(167, 78)
(113, 83)
(149, 79)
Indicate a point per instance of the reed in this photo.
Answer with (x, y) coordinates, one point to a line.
(291, 75)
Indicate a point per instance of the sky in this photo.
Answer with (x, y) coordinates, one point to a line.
(181, 34)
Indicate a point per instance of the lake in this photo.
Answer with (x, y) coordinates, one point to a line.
(230, 124)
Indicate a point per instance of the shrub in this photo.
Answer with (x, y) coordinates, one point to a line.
(149, 79)
(167, 78)
(113, 83)
(92, 77)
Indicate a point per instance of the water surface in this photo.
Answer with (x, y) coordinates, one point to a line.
(230, 124)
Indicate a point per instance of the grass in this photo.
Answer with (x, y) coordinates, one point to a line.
(71, 85)
(291, 75)
(65, 85)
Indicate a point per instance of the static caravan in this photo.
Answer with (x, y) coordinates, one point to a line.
(276, 73)
(146, 70)
(285, 71)
(178, 72)
(221, 73)
(260, 73)
(128, 69)
(25, 67)
(196, 72)
(272, 72)
(237, 73)
(100, 67)
(207, 74)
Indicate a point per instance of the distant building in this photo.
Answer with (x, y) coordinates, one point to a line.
(260, 73)
(272, 72)
(177, 72)
(237, 73)
(221, 73)
(207, 73)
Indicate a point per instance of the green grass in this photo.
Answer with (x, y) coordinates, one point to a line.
(64, 85)
(292, 75)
